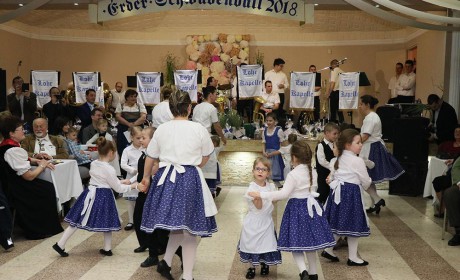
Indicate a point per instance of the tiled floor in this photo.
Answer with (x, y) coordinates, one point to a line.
(405, 243)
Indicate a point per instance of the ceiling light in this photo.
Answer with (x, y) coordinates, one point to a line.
(316, 4)
(21, 5)
(75, 4)
(377, 6)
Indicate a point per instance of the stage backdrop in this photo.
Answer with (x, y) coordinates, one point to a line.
(215, 55)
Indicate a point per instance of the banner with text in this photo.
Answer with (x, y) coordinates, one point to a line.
(186, 80)
(348, 90)
(286, 9)
(84, 81)
(148, 87)
(249, 81)
(302, 90)
(42, 81)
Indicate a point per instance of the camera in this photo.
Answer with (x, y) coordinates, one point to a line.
(25, 87)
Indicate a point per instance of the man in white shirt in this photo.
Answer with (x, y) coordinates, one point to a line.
(394, 81)
(118, 95)
(206, 114)
(333, 92)
(272, 99)
(405, 87)
(41, 145)
(161, 112)
(279, 81)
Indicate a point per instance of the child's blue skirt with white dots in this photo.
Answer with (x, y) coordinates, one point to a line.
(387, 167)
(269, 258)
(277, 170)
(300, 232)
(103, 216)
(177, 206)
(348, 217)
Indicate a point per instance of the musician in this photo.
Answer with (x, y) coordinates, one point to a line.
(317, 105)
(211, 81)
(57, 107)
(333, 92)
(405, 88)
(118, 95)
(272, 99)
(394, 81)
(279, 81)
(22, 104)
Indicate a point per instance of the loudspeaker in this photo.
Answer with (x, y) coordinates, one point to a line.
(412, 181)
(2, 90)
(388, 115)
(411, 139)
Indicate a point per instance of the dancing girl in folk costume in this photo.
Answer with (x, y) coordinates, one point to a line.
(345, 205)
(304, 228)
(95, 209)
(272, 137)
(179, 199)
(257, 244)
(375, 153)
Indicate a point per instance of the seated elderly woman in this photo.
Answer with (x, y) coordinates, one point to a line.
(34, 199)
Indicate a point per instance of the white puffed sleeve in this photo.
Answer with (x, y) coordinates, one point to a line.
(18, 159)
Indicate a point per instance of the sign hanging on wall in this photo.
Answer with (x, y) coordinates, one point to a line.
(148, 87)
(187, 80)
(302, 90)
(42, 82)
(285, 9)
(84, 81)
(348, 90)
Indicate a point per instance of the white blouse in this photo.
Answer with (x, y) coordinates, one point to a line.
(297, 185)
(351, 170)
(180, 142)
(281, 135)
(103, 174)
(18, 159)
(372, 126)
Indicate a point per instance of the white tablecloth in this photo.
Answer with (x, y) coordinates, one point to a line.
(436, 168)
(66, 180)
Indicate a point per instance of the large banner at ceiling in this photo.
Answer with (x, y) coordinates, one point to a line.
(286, 9)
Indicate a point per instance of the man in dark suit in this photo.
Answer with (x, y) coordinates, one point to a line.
(443, 121)
(22, 104)
(452, 201)
(84, 111)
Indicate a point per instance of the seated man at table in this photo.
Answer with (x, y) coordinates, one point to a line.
(272, 100)
(41, 145)
(91, 130)
(452, 201)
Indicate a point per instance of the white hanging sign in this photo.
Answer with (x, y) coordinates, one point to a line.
(186, 80)
(348, 90)
(42, 81)
(84, 81)
(249, 81)
(148, 87)
(302, 90)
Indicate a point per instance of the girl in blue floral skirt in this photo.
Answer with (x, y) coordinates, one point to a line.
(304, 228)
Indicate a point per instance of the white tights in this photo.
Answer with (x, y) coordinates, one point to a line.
(299, 259)
(71, 230)
(189, 245)
(372, 191)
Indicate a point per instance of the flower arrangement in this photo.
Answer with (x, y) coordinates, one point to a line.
(231, 118)
(216, 54)
(171, 62)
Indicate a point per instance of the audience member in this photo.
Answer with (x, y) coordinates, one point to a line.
(22, 103)
(405, 87)
(84, 111)
(128, 115)
(443, 121)
(41, 145)
(452, 200)
(55, 108)
(34, 199)
(272, 100)
(90, 130)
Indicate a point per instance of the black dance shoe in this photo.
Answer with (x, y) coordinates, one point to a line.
(106, 253)
(352, 263)
(313, 277)
(304, 275)
(7, 244)
(370, 210)
(129, 226)
(251, 273)
(380, 203)
(328, 256)
(218, 190)
(264, 269)
(60, 251)
(164, 270)
(140, 249)
(455, 241)
(149, 261)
